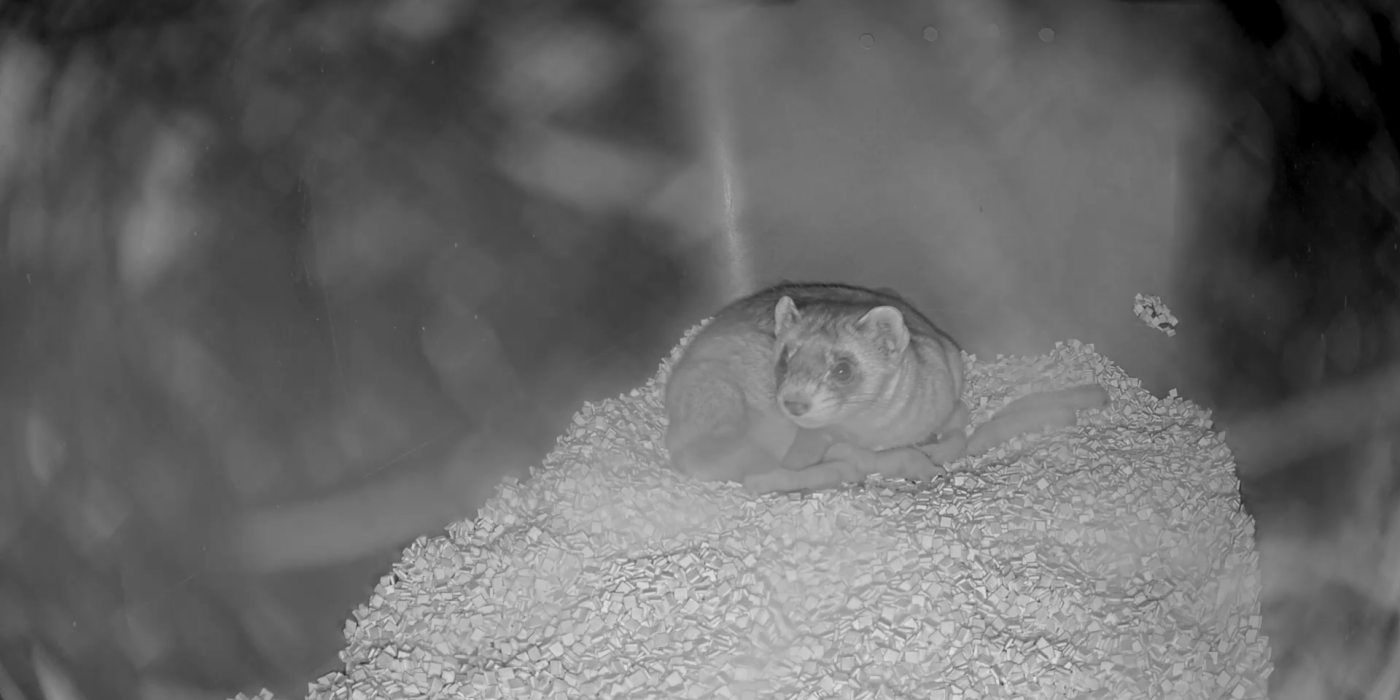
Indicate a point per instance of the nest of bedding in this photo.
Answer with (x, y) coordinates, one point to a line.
(1107, 560)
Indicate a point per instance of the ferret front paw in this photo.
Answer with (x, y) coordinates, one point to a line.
(947, 450)
(911, 463)
(899, 463)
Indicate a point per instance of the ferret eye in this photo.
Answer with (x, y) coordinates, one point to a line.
(841, 371)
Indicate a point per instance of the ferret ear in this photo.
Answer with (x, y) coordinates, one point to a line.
(785, 315)
(886, 323)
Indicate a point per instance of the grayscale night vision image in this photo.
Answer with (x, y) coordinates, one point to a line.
(733, 349)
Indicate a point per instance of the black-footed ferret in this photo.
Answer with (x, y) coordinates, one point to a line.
(854, 365)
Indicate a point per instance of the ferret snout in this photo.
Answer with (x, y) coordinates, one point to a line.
(806, 408)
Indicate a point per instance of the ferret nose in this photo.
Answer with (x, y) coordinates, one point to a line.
(798, 407)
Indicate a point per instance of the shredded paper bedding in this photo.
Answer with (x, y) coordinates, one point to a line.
(1107, 560)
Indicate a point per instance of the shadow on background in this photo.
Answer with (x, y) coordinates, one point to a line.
(272, 308)
(1301, 302)
(290, 284)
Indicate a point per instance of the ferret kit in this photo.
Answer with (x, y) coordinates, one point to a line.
(1107, 557)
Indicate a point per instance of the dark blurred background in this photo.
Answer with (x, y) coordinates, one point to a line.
(288, 284)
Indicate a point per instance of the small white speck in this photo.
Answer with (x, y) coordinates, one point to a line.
(1155, 313)
(1047, 34)
(867, 41)
(930, 33)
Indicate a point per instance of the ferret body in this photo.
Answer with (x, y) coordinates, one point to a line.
(773, 369)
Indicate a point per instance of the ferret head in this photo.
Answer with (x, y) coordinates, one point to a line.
(830, 366)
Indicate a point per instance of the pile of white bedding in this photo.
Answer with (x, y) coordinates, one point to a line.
(1107, 560)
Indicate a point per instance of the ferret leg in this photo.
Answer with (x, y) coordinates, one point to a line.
(845, 463)
(863, 460)
(808, 448)
(917, 463)
(828, 474)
